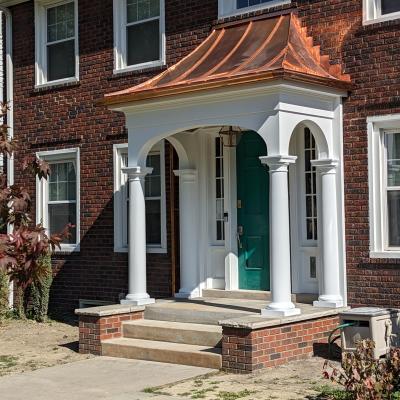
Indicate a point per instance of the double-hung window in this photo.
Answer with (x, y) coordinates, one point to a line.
(154, 191)
(233, 7)
(392, 188)
(380, 10)
(139, 34)
(384, 185)
(56, 42)
(58, 195)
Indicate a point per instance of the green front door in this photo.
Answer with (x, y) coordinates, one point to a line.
(252, 213)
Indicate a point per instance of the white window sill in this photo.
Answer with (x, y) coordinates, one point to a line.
(383, 18)
(139, 67)
(258, 7)
(385, 254)
(59, 82)
(149, 250)
(68, 248)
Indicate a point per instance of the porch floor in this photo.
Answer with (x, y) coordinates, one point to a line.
(233, 312)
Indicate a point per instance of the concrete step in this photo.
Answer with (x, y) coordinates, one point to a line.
(306, 298)
(176, 332)
(174, 353)
(237, 294)
(195, 312)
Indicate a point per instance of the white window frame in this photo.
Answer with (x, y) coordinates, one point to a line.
(228, 8)
(378, 127)
(120, 42)
(120, 198)
(42, 192)
(372, 13)
(41, 7)
(217, 242)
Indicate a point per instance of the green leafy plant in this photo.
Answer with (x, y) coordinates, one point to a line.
(4, 293)
(40, 291)
(365, 378)
(24, 246)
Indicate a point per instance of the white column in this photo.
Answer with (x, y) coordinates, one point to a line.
(331, 296)
(281, 286)
(188, 208)
(137, 238)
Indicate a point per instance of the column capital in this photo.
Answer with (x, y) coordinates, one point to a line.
(188, 175)
(137, 172)
(278, 162)
(326, 166)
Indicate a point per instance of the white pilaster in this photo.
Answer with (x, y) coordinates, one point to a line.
(330, 296)
(188, 233)
(137, 238)
(281, 291)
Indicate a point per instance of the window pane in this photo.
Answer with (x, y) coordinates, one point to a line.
(61, 60)
(390, 6)
(393, 159)
(249, 3)
(154, 161)
(153, 222)
(61, 22)
(138, 10)
(394, 218)
(313, 267)
(143, 42)
(60, 215)
(62, 184)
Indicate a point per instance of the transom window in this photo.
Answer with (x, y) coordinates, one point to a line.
(56, 42)
(140, 31)
(392, 151)
(380, 10)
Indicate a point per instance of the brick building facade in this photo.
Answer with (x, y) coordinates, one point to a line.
(51, 118)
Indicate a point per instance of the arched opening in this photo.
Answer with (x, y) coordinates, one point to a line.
(217, 210)
(304, 215)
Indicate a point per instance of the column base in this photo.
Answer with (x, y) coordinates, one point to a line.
(328, 303)
(139, 302)
(268, 312)
(186, 294)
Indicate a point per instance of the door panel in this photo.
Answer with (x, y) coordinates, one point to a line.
(253, 213)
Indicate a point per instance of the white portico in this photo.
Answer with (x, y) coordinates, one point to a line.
(291, 150)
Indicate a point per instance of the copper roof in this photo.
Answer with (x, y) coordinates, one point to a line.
(249, 51)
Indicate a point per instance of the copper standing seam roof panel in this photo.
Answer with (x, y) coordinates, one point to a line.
(250, 51)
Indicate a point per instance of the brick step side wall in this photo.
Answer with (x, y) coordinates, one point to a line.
(245, 350)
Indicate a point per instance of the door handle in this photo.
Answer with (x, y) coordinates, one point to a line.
(240, 230)
(239, 241)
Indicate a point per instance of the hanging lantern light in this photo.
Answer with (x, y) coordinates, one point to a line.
(230, 136)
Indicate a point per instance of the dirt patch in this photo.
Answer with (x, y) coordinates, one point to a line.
(295, 381)
(28, 345)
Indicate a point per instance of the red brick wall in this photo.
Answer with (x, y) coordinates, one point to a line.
(245, 350)
(371, 55)
(68, 116)
(92, 330)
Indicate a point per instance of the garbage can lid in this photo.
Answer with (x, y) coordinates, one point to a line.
(369, 311)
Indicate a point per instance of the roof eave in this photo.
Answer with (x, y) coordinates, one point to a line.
(169, 91)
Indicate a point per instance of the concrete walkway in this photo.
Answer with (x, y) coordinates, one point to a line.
(100, 378)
